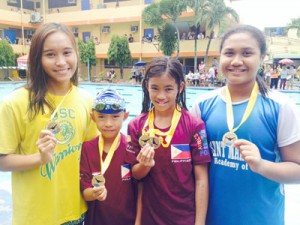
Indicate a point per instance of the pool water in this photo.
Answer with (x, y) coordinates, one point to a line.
(133, 97)
(131, 93)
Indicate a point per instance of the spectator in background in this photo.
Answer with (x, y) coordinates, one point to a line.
(215, 64)
(130, 39)
(149, 38)
(28, 42)
(133, 74)
(283, 75)
(96, 41)
(268, 75)
(196, 78)
(212, 74)
(274, 78)
(8, 40)
(189, 77)
(201, 67)
(200, 36)
(139, 76)
(144, 39)
(290, 78)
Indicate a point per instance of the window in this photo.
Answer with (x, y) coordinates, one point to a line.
(134, 29)
(12, 1)
(105, 29)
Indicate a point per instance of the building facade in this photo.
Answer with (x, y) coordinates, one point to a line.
(100, 20)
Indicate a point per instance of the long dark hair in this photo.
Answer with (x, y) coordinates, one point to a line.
(260, 38)
(37, 80)
(157, 67)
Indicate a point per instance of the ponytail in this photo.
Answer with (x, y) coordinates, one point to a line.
(263, 89)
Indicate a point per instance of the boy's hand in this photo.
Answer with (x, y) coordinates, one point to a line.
(100, 193)
(46, 145)
(146, 156)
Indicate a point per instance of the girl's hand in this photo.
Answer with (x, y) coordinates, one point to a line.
(46, 145)
(250, 153)
(146, 156)
(100, 193)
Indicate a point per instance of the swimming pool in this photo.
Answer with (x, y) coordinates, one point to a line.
(133, 97)
(133, 94)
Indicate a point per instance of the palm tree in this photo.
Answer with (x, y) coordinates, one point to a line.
(200, 8)
(172, 9)
(161, 14)
(218, 15)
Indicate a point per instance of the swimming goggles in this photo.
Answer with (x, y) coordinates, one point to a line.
(100, 106)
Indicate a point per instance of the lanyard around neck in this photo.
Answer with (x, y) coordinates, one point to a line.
(249, 108)
(59, 105)
(169, 133)
(104, 164)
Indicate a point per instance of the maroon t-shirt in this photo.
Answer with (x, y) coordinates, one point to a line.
(169, 188)
(119, 208)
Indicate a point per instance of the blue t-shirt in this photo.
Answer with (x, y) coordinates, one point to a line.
(239, 196)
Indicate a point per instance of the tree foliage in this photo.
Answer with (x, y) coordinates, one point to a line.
(160, 15)
(200, 8)
(295, 24)
(87, 53)
(152, 16)
(7, 56)
(211, 13)
(168, 39)
(217, 15)
(172, 9)
(119, 52)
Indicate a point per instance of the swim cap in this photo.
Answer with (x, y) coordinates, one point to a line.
(109, 101)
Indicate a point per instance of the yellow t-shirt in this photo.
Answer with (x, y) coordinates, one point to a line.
(49, 194)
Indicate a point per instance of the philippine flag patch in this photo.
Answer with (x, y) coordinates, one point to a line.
(125, 171)
(180, 151)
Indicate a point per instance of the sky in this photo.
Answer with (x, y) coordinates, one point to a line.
(266, 13)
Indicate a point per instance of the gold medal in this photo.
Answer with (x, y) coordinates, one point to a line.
(151, 140)
(154, 142)
(98, 180)
(229, 138)
(143, 140)
(53, 127)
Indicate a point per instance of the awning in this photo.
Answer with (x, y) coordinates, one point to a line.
(286, 56)
(140, 64)
(22, 62)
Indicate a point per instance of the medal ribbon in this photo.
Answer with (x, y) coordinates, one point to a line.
(169, 133)
(249, 108)
(104, 164)
(59, 105)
